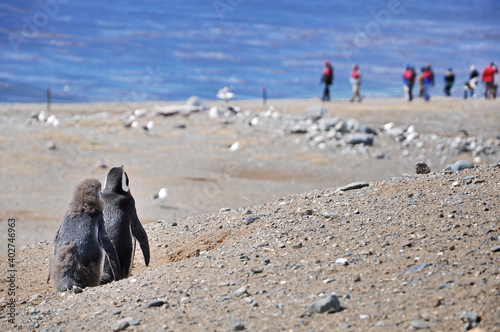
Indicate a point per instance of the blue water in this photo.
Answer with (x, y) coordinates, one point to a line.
(89, 51)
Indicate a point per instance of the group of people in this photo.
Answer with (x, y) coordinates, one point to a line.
(355, 80)
(490, 76)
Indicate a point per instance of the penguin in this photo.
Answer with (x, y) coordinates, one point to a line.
(121, 223)
(81, 245)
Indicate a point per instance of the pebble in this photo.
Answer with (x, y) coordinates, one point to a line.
(419, 324)
(155, 303)
(329, 280)
(76, 289)
(116, 312)
(495, 249)
(251, 219)
(422, 168)
(460, 165)
(257, 270)
(354, 185)
(241, 291)
(342, 261)
(122, 324)
(417, 267)
(297, 245)
(329, 304)
(225, 209)
(51, 145)
(236, 324)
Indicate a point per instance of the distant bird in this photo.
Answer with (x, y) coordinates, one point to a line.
(53, 120)
(42, 117)
(235, 146)
(162, 194)
(149, 126)
(254, 121)
(269, 112)
(225, 94)
(134, 124)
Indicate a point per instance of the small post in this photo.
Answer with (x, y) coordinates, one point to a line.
(49, 96)
(264, 94)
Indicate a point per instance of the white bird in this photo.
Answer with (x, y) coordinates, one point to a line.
(149, 126)
(254, 121)
(269, 112)
(225, 94)
(42, 117)
(55, 123)
(162, 194)
(134, 124)
(51, 119)
(235, 146)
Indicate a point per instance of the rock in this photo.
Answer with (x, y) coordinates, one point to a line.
(327, 124)
(257, 270)
(329, 304)
(236, 324)
(354, 185)
(460, 165)
(155, 303)
(365, 129)
(495, 249)
(299, 129)
(51, 145)
(359, 138)
(315, 113)
(297, 245)
(251, 219)
(76, 289)
(196, 101)
(422, 168)
(417, 268)
(470, 316)
(419, 324)
(341, 261)
(241, 291)
(122, 324)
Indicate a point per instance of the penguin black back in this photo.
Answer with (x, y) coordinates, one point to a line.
(81, 244)
(121, 222)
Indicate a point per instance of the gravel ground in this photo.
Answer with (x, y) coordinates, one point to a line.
(399, 253)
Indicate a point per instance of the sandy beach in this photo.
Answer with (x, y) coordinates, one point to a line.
(189, 155)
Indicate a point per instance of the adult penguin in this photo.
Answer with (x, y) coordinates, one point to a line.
(121, 222)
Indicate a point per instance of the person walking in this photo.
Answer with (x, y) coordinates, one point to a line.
(471, 84)
(488, 77)
(355, 81)
(327, 78)
(408, 81)
(428, 81)
(421, 83)
(449, 79)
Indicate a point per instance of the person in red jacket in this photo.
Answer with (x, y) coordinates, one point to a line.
(355, 80)
(488, 77)
(327, 78)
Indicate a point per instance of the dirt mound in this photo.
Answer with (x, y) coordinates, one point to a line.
(418, 251)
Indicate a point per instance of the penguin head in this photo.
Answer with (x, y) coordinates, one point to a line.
(87, 198)
(116, 181)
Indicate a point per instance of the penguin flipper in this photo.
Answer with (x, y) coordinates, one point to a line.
(140, 234)
(110, 252)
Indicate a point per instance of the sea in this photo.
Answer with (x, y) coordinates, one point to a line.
(138, 50)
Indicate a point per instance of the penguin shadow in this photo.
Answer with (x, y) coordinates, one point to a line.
(168, 207)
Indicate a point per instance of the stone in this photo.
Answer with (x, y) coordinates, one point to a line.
(251, 219)
(155, 303)
(122, 324)
(460, 165)
(329, 304)
(354, 185)
(236, 324)
(76, 289)
(327, 124)
(51, 145)
(241, 291)
(495, 249)
(196, 101)
(341, 261)
(422, 168)
(315, 113)
(419, 324)
(359, 138)
(417, 267)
